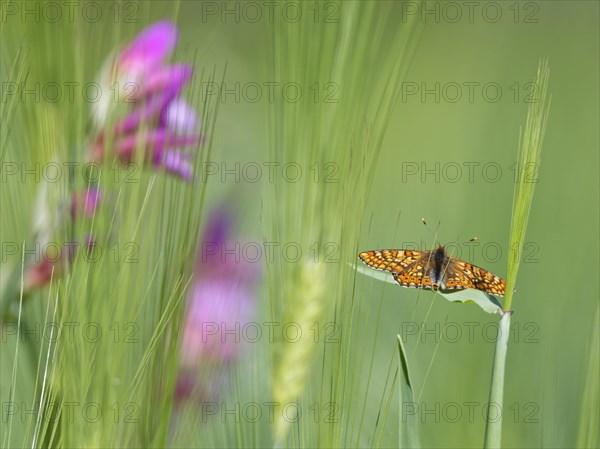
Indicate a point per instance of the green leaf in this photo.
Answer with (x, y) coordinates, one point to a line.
(487, 302)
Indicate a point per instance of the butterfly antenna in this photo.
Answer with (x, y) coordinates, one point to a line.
(437, 230)
(472, 239)
(434, 234)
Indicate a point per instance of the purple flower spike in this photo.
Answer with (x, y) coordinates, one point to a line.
(154, 141)
(180, 117)
(171, 78)
(149, 48)
(148, 111)
(177, 163)
(160, 124)
(217, 230)
(218, 301)
(221, 298)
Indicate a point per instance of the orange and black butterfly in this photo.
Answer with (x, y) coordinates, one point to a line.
(433, 270)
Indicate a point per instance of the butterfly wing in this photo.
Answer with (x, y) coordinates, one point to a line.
(413, 277)
(394, 260)
(461, 275)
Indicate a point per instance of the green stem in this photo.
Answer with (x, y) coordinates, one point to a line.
(493, 425)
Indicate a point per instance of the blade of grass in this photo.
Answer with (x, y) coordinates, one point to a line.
(529, 158)
(529, 164)
(493, 428)
(408, 429)
(589, 434)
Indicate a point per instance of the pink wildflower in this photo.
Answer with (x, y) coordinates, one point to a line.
(161, 124)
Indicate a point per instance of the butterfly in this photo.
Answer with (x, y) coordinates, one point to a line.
(433, 270)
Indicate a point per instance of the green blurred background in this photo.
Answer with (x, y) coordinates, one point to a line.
(557, 287)
(556, 304)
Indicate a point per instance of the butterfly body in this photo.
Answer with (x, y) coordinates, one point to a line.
(433, 270)
(436, 270)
